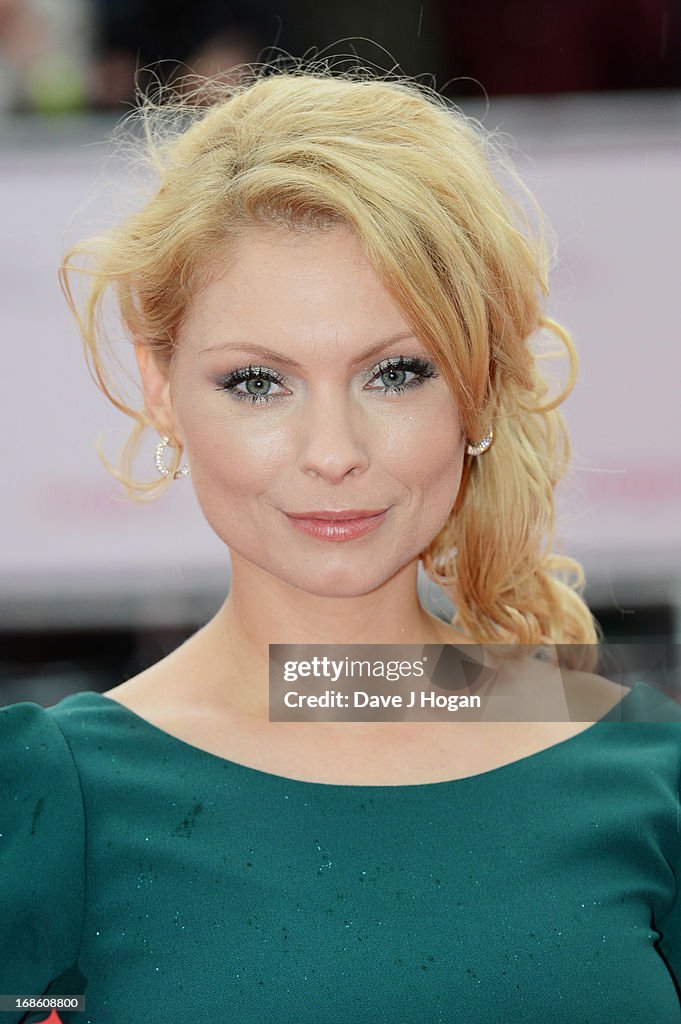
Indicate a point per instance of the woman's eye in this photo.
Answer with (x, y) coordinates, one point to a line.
(256, 387)
(257, 383)
(394, 377)
(252, 384)
(392, 374)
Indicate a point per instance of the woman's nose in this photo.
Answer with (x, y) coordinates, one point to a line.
(334, 439)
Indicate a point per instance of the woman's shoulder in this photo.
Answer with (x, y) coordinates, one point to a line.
(595, 698)
(589, 696)
(42, 850)
(65, 744)
(598, 697)
(29, 734)
(151, 691)
(42, 816)
(35, 756)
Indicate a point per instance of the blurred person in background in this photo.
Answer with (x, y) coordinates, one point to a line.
(45, 55)
(211, 37)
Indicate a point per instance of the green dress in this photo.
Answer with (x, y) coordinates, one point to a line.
(168, 884)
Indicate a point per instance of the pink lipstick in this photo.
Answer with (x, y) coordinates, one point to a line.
(339, 524)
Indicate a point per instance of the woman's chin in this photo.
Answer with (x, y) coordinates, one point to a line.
(341, 582)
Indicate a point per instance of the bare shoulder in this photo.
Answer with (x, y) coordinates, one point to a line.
(136, 694)
(131, 691)
(553, 689)
(153, 693)
(175, 693)
(590, 696)
(161, 689)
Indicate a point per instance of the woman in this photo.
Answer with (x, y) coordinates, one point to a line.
(332, 304)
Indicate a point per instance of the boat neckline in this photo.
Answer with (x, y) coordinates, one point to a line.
(206, 755)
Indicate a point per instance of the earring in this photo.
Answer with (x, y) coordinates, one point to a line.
(161, 464)
(481, 446)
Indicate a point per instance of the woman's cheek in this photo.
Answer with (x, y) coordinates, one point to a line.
(236, 456)
(429, 445)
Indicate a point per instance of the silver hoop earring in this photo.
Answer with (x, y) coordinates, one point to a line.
(161, 463)
(481, 446)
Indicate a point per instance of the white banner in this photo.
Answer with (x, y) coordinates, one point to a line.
(616, 211)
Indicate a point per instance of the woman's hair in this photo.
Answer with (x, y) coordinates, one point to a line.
(309, 149)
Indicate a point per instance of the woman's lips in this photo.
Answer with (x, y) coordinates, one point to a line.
(343, 514)
(338, 529)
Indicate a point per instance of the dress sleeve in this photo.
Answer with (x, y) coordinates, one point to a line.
(42, 855)
(669, 924)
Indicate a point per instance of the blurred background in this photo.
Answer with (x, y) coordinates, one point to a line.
(93, 588)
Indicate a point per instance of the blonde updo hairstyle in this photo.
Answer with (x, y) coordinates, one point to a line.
(413, 177)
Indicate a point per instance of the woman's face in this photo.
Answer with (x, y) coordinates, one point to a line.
(297, 387)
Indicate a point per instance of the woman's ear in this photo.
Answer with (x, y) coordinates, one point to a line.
(156, 388)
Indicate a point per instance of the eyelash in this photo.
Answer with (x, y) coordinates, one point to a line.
(421, 367)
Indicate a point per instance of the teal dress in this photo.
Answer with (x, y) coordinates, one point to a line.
(168, 884)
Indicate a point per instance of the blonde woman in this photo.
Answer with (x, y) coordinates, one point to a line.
(333, 306)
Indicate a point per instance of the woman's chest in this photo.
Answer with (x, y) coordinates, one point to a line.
(269, 899)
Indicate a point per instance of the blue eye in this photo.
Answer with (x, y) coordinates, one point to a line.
(253, 377)
(393, 372)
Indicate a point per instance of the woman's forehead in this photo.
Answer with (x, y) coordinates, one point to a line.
(307, 290)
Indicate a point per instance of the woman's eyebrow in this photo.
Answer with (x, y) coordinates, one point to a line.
(269, 353)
